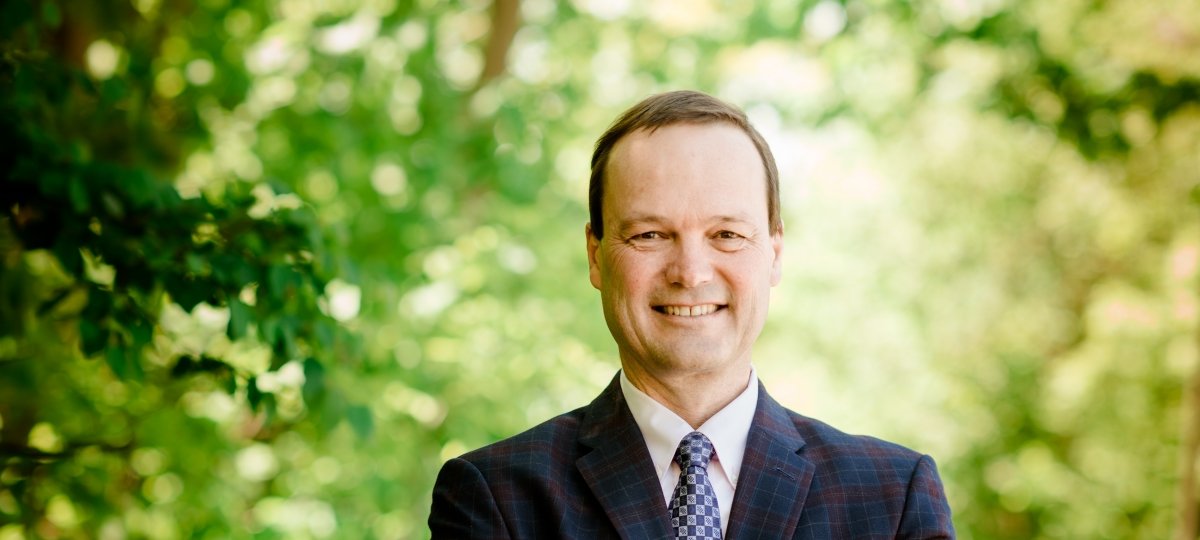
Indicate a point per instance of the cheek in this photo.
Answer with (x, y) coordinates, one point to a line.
(751, 276)
(629, 288)
(630, 272)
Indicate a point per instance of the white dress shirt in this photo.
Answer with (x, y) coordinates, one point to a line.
(663, 429)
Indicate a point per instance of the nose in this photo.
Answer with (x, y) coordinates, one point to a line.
(690, 264)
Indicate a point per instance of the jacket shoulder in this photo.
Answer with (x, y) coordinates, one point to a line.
(865, 480)
(834, 450)
(549, 441)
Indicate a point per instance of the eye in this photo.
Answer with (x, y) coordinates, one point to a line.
(647, 240)
(649, 235)
(728, 241)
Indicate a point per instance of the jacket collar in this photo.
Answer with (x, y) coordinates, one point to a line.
(774, 480)
(771, 489)
(619, 470)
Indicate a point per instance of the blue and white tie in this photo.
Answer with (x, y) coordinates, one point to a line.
(694, 513)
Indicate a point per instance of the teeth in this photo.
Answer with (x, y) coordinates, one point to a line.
(692, 311)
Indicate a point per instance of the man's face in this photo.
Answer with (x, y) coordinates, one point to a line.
(687, 259)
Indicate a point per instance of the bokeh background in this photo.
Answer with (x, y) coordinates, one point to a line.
(265, 265)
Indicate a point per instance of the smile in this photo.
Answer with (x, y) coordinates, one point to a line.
(689, 311)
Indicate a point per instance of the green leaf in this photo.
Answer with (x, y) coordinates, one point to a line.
(268, 327)
(113, 205)
(118, 361)
(51, 15)
(92, 337)
(232, 270)
(67, 251)
(314, 381)
(77, 191)
(284, 342)
(100, 303)
(324, 332)
(253, 242)
(186, 292)
(197, 264)
(188, 364)
(140, 333)
(281, 280)
(360, 419)
(239, 319)
(124, 360)
(253, 394)
(113, 89)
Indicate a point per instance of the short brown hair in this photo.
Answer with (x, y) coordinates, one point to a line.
(680, 106)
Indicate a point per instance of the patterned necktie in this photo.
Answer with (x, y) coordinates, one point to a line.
(694, 513)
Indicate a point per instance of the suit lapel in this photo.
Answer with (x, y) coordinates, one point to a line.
(774, 479)
(618, 469)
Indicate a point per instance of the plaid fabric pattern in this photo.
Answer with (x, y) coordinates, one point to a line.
(587, 474)
(694, 514)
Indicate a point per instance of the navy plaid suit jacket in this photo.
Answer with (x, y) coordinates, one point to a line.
(587, 474)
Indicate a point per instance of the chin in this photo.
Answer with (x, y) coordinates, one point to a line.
(696, 360)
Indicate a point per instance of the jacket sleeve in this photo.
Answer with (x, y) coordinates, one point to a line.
(926, 512)
(463, 505)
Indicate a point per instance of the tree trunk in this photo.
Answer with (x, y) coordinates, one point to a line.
(1186, 511)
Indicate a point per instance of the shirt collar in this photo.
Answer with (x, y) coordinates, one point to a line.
(662, 429)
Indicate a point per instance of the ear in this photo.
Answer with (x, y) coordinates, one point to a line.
(593, 244)
(777, 263)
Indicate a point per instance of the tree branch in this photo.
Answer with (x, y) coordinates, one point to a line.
(28, 452)
(506, 16)
(1187, 513)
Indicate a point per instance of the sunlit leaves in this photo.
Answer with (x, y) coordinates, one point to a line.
(987, 208)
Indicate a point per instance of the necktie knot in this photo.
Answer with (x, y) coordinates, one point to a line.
(695, 450)
(694, 510)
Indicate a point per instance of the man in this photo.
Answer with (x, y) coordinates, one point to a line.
(684, 244)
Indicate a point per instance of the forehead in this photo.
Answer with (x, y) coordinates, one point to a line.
(710, 168)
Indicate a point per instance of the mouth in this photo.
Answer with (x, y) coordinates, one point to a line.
(698, 310)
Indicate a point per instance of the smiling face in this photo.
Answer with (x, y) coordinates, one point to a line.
(686, 260)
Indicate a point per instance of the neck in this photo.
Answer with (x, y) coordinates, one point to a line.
(694, 396)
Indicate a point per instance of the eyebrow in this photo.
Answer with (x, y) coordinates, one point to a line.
(638, 219)
(654, 219)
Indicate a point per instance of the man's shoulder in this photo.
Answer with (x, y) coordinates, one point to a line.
(550, 440)
(865, 480)
(519, 487)
(831, 448)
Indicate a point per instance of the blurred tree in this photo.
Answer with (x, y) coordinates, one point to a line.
(321, 247)
(99, 253)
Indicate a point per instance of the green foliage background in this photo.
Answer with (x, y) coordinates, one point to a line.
(266, 264)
